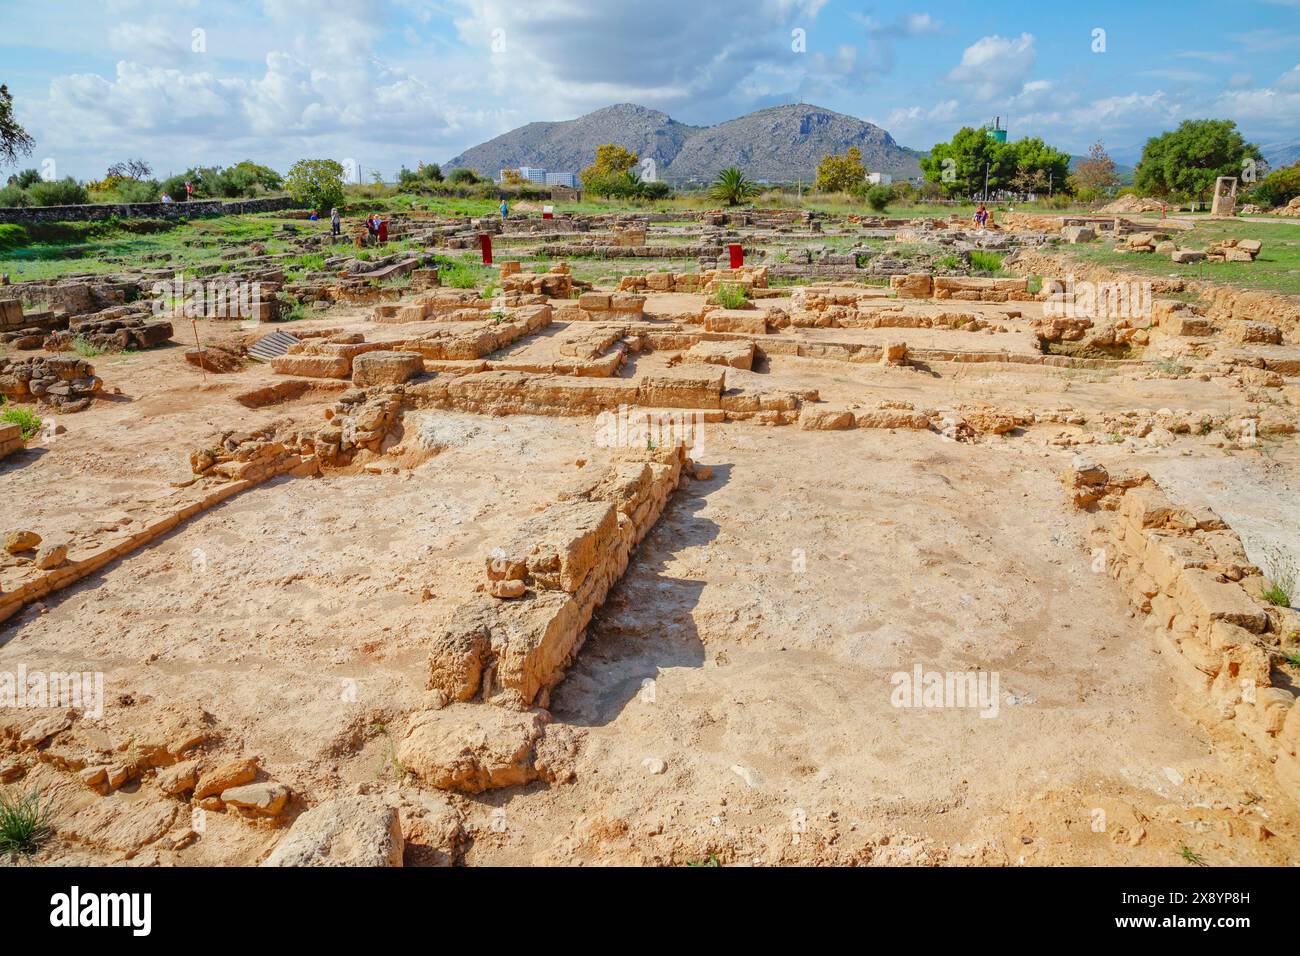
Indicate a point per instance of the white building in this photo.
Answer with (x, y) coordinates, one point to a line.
(562, 179)
(879, 179)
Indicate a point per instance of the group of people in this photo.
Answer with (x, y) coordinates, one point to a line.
(983, 218)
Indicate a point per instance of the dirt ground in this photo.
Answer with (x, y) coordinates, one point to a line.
(735, 692)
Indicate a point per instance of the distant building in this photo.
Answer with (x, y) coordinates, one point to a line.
(879, 179)
(529, 173)
(562, 179)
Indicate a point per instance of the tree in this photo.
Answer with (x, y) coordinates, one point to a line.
(14, 141)
(611, 160)
(512, 177)
(1039, 168)
(732, 187)
(1185, 162)
(462, 177)
(131, 169)
(1094, 176)
(841, 174)
(25, 179)
(959, 167)
(316, 183)
(431, 172)
(248, 178)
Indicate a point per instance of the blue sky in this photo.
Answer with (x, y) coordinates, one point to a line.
(392, 82)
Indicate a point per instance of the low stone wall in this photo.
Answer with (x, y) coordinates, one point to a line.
(513, 644)
(96, 212)
(1188, 573)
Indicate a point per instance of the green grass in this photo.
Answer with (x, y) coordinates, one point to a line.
(24, 419)
(462, 274)
(1276, 269)
(86, 349)
(731, 296)
(24, 823)
(982, 261)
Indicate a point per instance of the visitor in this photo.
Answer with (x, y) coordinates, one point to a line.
(336, 224)
(166, 199)
(314, 217)
(505, 210)
(381, 229)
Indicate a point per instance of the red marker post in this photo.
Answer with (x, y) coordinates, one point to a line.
(737, 255)
(485, 243)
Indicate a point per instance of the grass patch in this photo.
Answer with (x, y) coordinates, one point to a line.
(1281, 576)
(950, 262)
(86, 349)
(24, 419)
(24, 823)
(983, 261)
(1170, 367)
(729, 295)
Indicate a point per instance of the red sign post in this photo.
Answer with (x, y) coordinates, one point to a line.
(737, 255)
(485, 243)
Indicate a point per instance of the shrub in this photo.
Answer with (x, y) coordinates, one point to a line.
(12, 236)
(732, 187)
(878, 198)
(14, 196)
(58, 192)
(316, 183)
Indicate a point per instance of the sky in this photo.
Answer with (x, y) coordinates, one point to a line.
(386, 83)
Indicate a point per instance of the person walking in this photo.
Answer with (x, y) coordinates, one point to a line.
(505, 210)
(336, 223)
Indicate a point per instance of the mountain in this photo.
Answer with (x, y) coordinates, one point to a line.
(782, 143)
(570, 146)
(1281, 154)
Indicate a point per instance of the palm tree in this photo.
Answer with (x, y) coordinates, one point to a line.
(732, 187)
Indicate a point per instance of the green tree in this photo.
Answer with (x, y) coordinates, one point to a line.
(732, 187)
(14, 141)
(25, 179)
(316, 183)
(248, 178)
(463, 177)
(1039, 168)
(958, 167)
(841, 174)
(1279, 187)
(1184, 163)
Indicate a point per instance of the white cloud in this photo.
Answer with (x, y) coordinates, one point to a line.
(995, 65)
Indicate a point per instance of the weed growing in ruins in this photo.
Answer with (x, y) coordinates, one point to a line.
(1281, 575)
(731, 296)
(24, 823)
(712, 861)
(948, 263)
(1170, 367)
(25, 419)
(1034, 285)
(85, 349)
(981, 261)
(1191, 856)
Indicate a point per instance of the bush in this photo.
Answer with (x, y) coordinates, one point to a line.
(59, 192)
(24, 419)
(463, 177)
(12, 236)
(14, 196)
(731, 296)
(878, 198)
